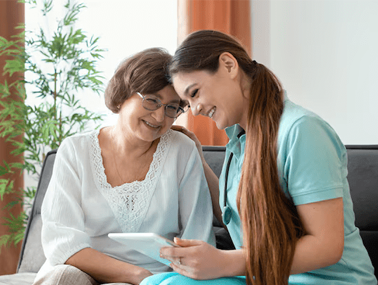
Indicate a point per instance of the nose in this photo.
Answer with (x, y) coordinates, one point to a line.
(196, 109)
(159, 114)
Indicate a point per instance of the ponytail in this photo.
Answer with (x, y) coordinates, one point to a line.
(271, 225)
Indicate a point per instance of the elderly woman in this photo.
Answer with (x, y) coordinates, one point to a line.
(136, 176)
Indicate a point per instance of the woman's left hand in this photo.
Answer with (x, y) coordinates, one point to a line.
(199, 260)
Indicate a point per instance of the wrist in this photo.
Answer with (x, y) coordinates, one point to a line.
(139, 274)
(234, 262)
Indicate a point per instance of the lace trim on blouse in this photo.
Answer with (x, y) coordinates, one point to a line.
(129, 202)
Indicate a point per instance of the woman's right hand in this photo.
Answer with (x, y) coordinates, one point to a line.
(192, 136)
(201, 261)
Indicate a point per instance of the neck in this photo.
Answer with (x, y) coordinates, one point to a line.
(126, 145)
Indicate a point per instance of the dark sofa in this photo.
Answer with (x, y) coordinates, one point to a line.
(362, 177)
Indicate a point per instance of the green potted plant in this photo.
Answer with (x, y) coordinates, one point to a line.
(57, 67)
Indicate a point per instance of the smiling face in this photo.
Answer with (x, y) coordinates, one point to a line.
(217, 95)
(138, 123)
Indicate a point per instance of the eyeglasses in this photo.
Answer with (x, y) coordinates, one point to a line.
(152, 103)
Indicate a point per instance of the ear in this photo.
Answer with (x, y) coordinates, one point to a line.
(229, 62)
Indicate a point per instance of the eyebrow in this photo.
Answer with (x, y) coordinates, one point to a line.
(186, 92)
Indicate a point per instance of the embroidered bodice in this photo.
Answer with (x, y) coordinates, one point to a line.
(129, 202)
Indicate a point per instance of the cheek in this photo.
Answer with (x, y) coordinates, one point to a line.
(168, 123)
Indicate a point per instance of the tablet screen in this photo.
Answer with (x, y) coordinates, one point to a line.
(146, 243)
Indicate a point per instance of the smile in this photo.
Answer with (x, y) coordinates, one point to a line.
(212, 111)
(151, 125)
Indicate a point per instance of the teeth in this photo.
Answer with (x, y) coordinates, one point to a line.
(211, 113)
(147, 123)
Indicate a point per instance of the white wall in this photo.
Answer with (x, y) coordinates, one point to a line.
(326, 55)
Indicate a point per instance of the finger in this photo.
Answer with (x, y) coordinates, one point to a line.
(184, 249)
(187, 242)
(170, 258)
(169, 252)
(173, 259)
(173, 253)
(182, 269)
(179, 128)
(183, 130)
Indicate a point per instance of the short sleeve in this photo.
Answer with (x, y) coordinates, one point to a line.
(63, 228)
(315, 164)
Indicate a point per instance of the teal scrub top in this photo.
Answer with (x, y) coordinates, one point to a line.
(312, 167)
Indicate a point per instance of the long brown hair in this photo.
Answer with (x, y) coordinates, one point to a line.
(271, 226)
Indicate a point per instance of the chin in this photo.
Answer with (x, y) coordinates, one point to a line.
(148, 138)
(220, 126)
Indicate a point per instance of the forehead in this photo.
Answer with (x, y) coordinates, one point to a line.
(184, 81)
(167, 93)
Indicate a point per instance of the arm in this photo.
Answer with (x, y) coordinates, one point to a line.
(315, 170)
(323, 243)
(211, 178)
(213, 184)
(321, 246)
(64, 236)
(106, 269)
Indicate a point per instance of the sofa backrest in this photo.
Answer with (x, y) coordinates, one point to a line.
(363, 183)
(362, 177)
(31, 256)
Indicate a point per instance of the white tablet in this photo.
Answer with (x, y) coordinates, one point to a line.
(146, 243)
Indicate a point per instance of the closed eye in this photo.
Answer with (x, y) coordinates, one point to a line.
(174, 107)
(153, 100)
(194, 93)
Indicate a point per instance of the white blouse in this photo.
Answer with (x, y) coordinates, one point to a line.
(80, 207)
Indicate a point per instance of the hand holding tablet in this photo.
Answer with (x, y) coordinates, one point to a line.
(146, 243)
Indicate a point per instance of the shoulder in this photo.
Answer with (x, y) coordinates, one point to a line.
(77, 143)
(181, 140)
(296, 120)
(180, 146)
(294, 114)
(303, 129)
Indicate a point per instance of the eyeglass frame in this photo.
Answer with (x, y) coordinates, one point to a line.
(160, 104)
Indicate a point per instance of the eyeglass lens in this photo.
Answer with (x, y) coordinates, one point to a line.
(152, 103)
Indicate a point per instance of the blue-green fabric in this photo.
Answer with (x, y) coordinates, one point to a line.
(312, 165)
(177, 279)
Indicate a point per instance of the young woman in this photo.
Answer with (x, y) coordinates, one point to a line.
(283, 192)
(135, 176)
